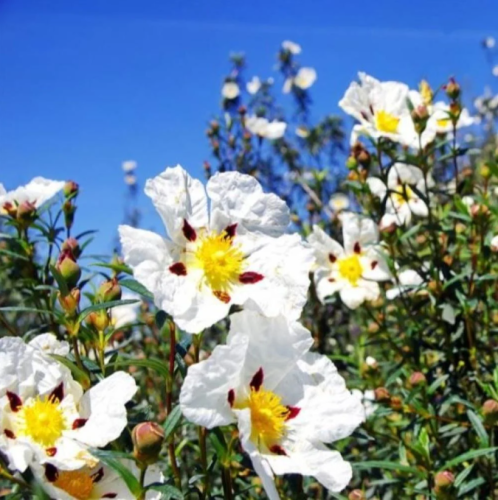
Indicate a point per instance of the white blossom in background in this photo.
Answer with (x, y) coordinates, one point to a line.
(36, 193)
(495, 70)
(94, 483)
(130, 180)
(440, 118)
(302, 132)
(262, 127)
(292, 47)
(489, 42)
(403, 184)
(129, 166)
(286, 401)
(367, 399)
(230, 91)
(354, 270)
(304, 79)
(234, 253)
(46, 417)
(126, 314)
(408, 281)
(339, 202)
(253, 85)
(494, 243)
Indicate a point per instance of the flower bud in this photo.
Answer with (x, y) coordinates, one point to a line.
(364, 158)
(69, 268)
(98, 319)
(351, 163)
(485, 171)
(443, 481)
(382, 395)
(148, 438)
(26, 213)
(71, 301)
(70, 189)
(356, 495)
(72, 245)
(417, 379)
(69, 209)
(490, 411)
(420, 115)
(242, 110)
(452, 89)
(109, 290)
(396, 403)
(9, 209)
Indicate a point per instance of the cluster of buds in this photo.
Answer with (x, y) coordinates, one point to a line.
(148, 439)
(453, 92)
(70, 190)
(359, 156)
(24, 213)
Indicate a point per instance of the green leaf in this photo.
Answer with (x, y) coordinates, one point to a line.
(217, 439)
(135, 286)
(436, 384)
(80, 375)
(152, 363)
(27, 310)
(380, 464)
(104, 305)
(172, 421)
(466, 488)
(13, 254)
(463, 475)
(469, 455)
(120, 268)
(479, 428)
(60, 281)
(168, 491)
(160, 319)
(112, 460)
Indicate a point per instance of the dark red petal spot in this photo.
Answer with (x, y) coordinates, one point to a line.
(332, 280)
(374, 264)
(257, 380)
(357, 248)
(110, 495)
(293, 412)
(223, 296)
(277, 449)
(98, 475)
(57, 394)
(188, 231)
(14, 401)
(332, 257)
(179, 269)
(79, 423)
(230, 230)
(250, 277)
(51, 473)
(231, 397)
(51, 451)
(9, 434)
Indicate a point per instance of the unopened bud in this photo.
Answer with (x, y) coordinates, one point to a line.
(70, 188)
(148, 438)
(417, 379)
(215, 126)
(9, 209)
(351, 163)
(242, 110)
(443, 481)
(373, 327)
(109, 290)
(364, 158)
(69, 209)
(71, 301)
(72, 245)
(485, 171)
(490, 411)
(98, 319)
(420, 115)
(396, 403)
(382, 395)
(26, 213)
(356, 495)
(69, 268)
(452, 89)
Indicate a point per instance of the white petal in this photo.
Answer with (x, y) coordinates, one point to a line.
(375, 267)
(377, 187)
(358, 229)
(37, 191)
(48, 343)
(324, 246)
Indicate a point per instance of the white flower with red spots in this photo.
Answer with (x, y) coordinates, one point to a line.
(380, 108)
(94, 483)
(405, 184)
(44, 414)
(35, 193)
(352, 270)
(236, 254)
(286, 401)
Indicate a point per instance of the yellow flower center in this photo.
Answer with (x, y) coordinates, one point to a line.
(220, 260)
(385, 122)
(350, 268)
(77, 483)
(443, 122)
(402, 194)
(43, 421)
(268, 416)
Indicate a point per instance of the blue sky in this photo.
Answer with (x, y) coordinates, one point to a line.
(87, 84)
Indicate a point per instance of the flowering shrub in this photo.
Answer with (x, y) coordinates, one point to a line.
(297, 329)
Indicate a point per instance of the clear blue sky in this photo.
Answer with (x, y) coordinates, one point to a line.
(86, 84)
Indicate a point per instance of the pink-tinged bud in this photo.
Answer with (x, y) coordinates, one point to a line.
(417, 379)
(443, 481)
(382, 395)
(109, 290)
(356, 495)
(26, 212)
(215, 126)
(71, 301)
(69, 268)
(69, 209)
(452, 89)
(73, 246)
(242, 110)
(490, 411)
(9, 209)
(98, 319)
(148, 439)
(70, 188)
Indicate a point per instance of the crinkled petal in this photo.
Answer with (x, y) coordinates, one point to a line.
(358, 229)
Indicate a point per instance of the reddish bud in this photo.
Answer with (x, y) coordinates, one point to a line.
(382, 395)
(26, 213)
(70, 188)
(72, 245)
(452, 89)
(417, 379)
(490, 411)
(356, 495)
(443, 481)
(148, 438)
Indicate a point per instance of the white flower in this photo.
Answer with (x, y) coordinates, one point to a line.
(36, 192)
(440, 118)
(48, 343)
(403, 184)
(469, 201)
(380, 107)
(129, 165)
(45, 417)
(230, 90)
(292, 47)
(258, 125)
(339, 202)
(354, 270)
(126, 314)
(448, 314)
(371, 361)
(495, 70)
(408, 281)
(94, 483)
(494, 243)
(367, 399)
(302, 132)
(286, 401)
(237, 254)
(304, 79)
(489, 42)
(253, 85)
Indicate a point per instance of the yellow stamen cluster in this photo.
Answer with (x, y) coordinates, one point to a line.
(350, 268)
(402, 194)
(386, 122)
(426, 92)
(75, 482)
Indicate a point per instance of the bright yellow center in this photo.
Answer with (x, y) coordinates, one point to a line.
(385, 122)
(43, 421)
(350, 268)
(75, 482)
(220, 260)
(426, 92)
(402, 194)
(443, 122)
(268, 416)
